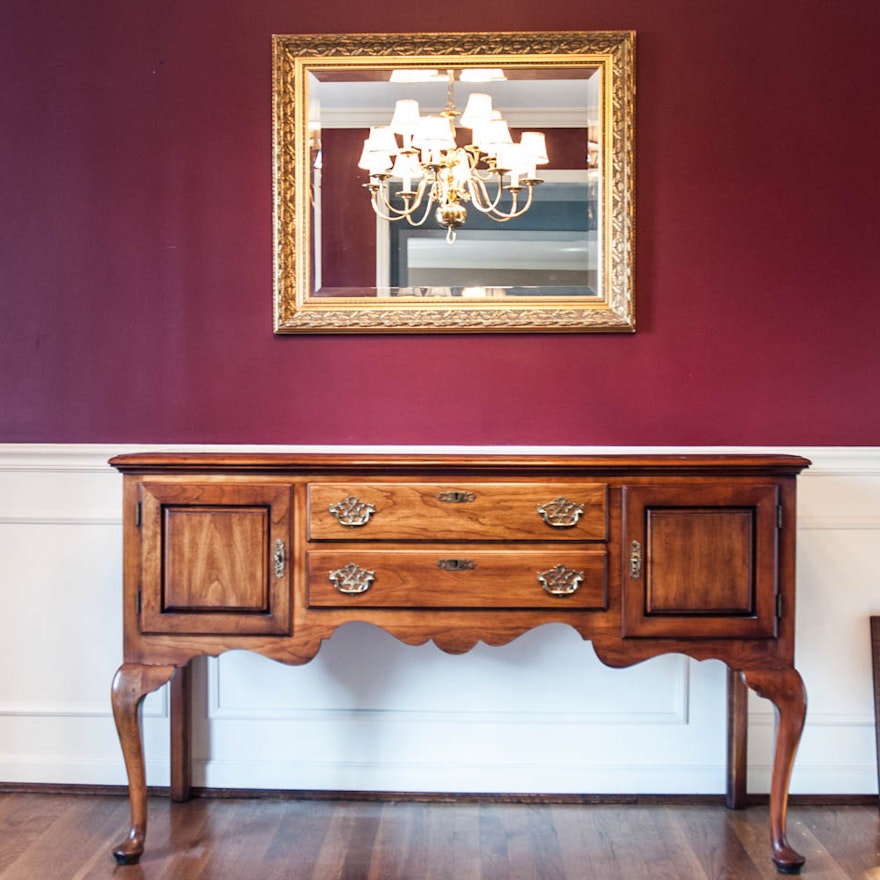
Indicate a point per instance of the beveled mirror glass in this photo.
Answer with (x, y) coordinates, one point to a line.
(459, 225)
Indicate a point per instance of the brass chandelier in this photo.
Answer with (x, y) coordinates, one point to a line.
(489, 173)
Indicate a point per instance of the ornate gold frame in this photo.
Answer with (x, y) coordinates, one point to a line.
(297, 311)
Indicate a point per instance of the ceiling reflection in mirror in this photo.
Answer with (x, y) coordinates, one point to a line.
(481, 234)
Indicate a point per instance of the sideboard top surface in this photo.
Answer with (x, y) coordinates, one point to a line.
(313, 463)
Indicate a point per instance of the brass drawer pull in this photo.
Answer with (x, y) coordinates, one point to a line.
(561, 513)
(457, 497)
(456, 564)
(279, 559)
(351, 579)
(560, 581)
(352, 512)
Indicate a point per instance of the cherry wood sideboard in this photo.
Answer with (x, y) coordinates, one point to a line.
(643, 555)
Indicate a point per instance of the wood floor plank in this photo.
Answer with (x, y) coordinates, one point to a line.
(77, 833)
(750, 826)
(24, 818)
(341, 852)
(454, 838)
(68, 837)
(592, 841)
(631, 846)
(522, 862)
(297, 841)
(855, 851)
(702, 843)
(494, 855)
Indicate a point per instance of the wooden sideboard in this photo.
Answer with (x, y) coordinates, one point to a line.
(643, 555)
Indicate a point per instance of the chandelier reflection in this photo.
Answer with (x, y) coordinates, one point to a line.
(494, 175)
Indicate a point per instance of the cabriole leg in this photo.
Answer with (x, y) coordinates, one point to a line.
(132, 682)
(785, 689)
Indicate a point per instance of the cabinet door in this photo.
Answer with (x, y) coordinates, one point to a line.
(700, 561)
(214, 558)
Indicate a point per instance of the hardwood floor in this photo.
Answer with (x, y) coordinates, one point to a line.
(69, 837)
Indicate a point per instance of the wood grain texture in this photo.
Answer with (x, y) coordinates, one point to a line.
(207, 557)
(418, 511)
(709, 553)
(450, 551)
(473, 578)
(737, 740)
(65, 837)
(214, 559)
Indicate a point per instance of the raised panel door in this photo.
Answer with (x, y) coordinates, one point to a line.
(700, 560)
(215, 558)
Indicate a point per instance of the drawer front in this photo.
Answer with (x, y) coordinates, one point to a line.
(457, 578)
(457, 511)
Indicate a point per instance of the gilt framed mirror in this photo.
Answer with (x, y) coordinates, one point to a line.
(479, 182)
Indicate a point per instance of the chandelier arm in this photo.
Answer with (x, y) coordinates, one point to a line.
(428, 203)
(482, 174)
(387, 211)
(514, 213)
(391, 218)
(480, 196)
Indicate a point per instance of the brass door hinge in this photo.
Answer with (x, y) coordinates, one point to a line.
(779, 606)
(778, 516)
(138, 513)
(139, 602)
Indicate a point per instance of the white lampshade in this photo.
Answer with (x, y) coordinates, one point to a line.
(478, 110)
(406, 117)
(511, 158)
(534, 147)
(406, 167)
(436, 134)
(382, 140)
(374, 161)
(497, 136)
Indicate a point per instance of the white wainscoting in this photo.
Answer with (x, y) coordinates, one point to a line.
(538, 715)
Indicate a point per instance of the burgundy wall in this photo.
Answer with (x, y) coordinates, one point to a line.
(135, 238)
(348, 233)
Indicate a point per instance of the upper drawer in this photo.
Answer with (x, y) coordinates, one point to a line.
(457, 511)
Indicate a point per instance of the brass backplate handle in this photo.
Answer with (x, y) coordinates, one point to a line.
(561, 580)
(352, 512)
(279, 558)
(561, 513)
(351, 579)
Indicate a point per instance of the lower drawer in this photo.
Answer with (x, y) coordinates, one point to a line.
(457, 579)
